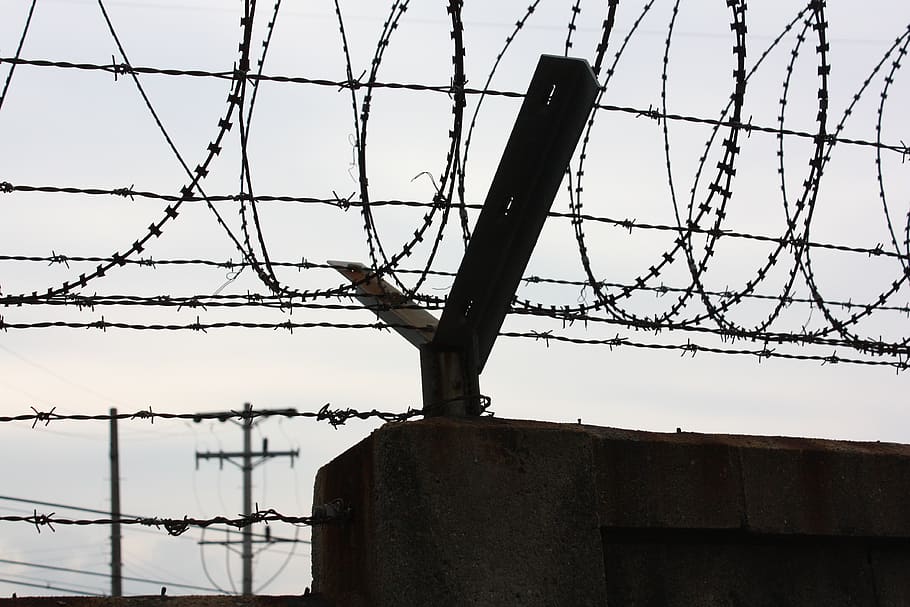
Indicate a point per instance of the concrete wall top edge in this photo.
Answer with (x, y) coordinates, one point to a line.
(679, 438)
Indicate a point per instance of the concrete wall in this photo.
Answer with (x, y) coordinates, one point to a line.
(497, 512)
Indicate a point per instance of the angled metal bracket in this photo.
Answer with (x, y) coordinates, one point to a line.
(388, 303)
(454, 350)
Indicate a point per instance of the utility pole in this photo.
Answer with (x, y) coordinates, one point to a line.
(247, 464)
(116, 575)
(247, 556)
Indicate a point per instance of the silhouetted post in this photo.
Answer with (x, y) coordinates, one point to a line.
(247, 552)
(116, 574)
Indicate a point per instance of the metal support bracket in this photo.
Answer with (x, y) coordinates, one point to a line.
(454, 350)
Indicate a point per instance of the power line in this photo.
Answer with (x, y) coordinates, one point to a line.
(42, 578)
(53, 505)
(106, 575)
(51, 587)
(56, 375)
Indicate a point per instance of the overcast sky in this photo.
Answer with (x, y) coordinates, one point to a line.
(88, 129)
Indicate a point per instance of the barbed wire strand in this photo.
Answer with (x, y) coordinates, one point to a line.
(699, 224)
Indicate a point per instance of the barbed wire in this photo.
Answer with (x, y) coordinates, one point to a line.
(451, 90)
(899, 351)
(696, 306)
(628, 224)
(428, 302)
(334, 416)
(690, 348)
(103, 325)
(567, 316)
(333, 513)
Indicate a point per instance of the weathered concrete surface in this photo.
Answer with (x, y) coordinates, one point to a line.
(498, 512)
(447, 513)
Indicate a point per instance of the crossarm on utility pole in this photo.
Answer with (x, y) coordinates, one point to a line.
(246, 465)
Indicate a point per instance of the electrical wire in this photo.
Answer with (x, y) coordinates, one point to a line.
(106, 575)
(52, 587)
